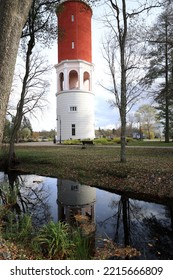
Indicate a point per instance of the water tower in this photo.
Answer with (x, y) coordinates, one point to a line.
(75, 99)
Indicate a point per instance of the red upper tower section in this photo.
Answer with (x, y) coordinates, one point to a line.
(74, 26)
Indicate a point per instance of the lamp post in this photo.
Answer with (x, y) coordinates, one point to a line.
(140, 130)
(59, 117)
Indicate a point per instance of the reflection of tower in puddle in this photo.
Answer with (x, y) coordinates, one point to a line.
(76, 203)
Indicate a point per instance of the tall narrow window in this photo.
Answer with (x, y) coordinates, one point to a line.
(72, 18)
(73, 132)
(72, 45)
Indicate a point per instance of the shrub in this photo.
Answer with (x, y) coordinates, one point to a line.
(102, 141)
(9, 194)
(129, 139)
(82, 248)
(17, 228)
(118, 140)
(72, 142)
(60, 241)
(25, 229)
(54, 239)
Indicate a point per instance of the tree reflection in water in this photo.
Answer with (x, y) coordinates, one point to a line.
(26, 196)
(136, 226)
(160, 235)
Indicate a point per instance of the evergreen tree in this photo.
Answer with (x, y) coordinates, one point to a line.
(26, 124)
(160, 71)
(162, 111)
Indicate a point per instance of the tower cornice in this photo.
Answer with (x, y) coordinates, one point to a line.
(69, 61)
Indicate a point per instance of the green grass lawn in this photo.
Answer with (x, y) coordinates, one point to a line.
(147, 171)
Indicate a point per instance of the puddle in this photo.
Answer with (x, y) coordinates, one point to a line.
(146, 226)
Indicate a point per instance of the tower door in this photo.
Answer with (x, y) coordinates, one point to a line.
(73, 129)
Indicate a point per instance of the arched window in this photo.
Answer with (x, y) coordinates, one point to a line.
(86, 81)
(73, 80)
(61, 81)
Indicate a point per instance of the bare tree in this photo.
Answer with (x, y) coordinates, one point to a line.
(122, 51)
(39, 28)
(13, 16)
(146, 115)
(33, 95)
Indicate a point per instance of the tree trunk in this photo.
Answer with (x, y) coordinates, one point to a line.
(12, 19)
(123, 85)
(126, 220)
(123, 108)
(167, 90)
(19, 114)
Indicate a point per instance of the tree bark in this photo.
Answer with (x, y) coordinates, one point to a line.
(123, 111)
(12, 19)
(166, 84)
(123, 105)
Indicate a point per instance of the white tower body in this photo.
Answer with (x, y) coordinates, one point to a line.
(75, 99)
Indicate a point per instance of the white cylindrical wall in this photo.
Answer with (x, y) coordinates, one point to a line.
(75, 108)
(74, 194)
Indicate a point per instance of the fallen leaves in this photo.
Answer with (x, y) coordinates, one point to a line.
(12, 251)
(111, 250)
(85, 224)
